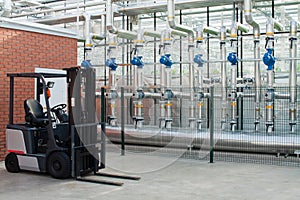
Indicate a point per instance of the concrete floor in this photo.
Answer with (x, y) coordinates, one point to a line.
(176, 179)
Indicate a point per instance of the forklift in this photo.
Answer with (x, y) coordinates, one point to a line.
(61, 140)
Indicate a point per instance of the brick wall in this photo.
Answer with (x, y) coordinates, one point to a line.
(22, 51)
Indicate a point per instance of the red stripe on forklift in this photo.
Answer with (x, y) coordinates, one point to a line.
(16, 151)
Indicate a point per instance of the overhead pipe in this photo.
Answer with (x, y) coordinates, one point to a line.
(83, 5)
(211, 30)
(293, 75)
(269, 60)
(257, 71)
(223, 76)
(191, 46)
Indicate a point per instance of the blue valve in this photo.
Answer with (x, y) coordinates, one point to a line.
(86, 64)
(137, 60)
(232, 58)
(111, 63)
(166, 60)
(169, 94)
(199, 60)
(269, 59)
(140, 94)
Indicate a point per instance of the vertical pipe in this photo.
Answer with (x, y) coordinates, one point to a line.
(223, 76)
(233, 81)
(269, 60)
(87, 31)
(192, 119)
(257, 83)
(110, 18)
(162, 68)
(293, 75)
(257, 72)
(240, 55)
(155, 67)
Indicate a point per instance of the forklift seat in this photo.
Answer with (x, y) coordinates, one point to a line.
(34, 114)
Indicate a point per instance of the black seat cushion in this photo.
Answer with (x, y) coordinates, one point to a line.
(34, 113)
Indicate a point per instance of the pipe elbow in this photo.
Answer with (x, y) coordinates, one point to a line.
(112, 29)
(172, 23)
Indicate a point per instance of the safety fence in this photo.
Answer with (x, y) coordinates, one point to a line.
(206, 127)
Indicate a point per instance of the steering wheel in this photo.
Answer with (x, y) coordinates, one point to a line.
(59, 106)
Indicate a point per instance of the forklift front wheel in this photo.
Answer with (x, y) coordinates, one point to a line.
(59, 165)
(12, 163)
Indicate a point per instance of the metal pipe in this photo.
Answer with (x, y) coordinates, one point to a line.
(250, 20)
(223, 76)
(178, 33)
(191, 37)
(238, 142)
(293, 75)
(87, 30)
(200, 60)
(171, 20)
(110, 24)
(103, 26)
(154, 34)
(211, 30)
(232, 58)
(257, 72)
(7, 8)
(83, 5)
(277, 25)
(138, 62)
(110, 18)
(269, 60)
(192, 119)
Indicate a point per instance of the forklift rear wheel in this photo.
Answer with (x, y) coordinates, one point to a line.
(59, 165)
(12, 163)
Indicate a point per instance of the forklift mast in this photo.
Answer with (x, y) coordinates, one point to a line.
(82, 120)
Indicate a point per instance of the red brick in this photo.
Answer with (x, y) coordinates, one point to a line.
(22, 51)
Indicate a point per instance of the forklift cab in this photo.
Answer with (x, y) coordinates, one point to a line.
(49, 140)
(32, 144)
